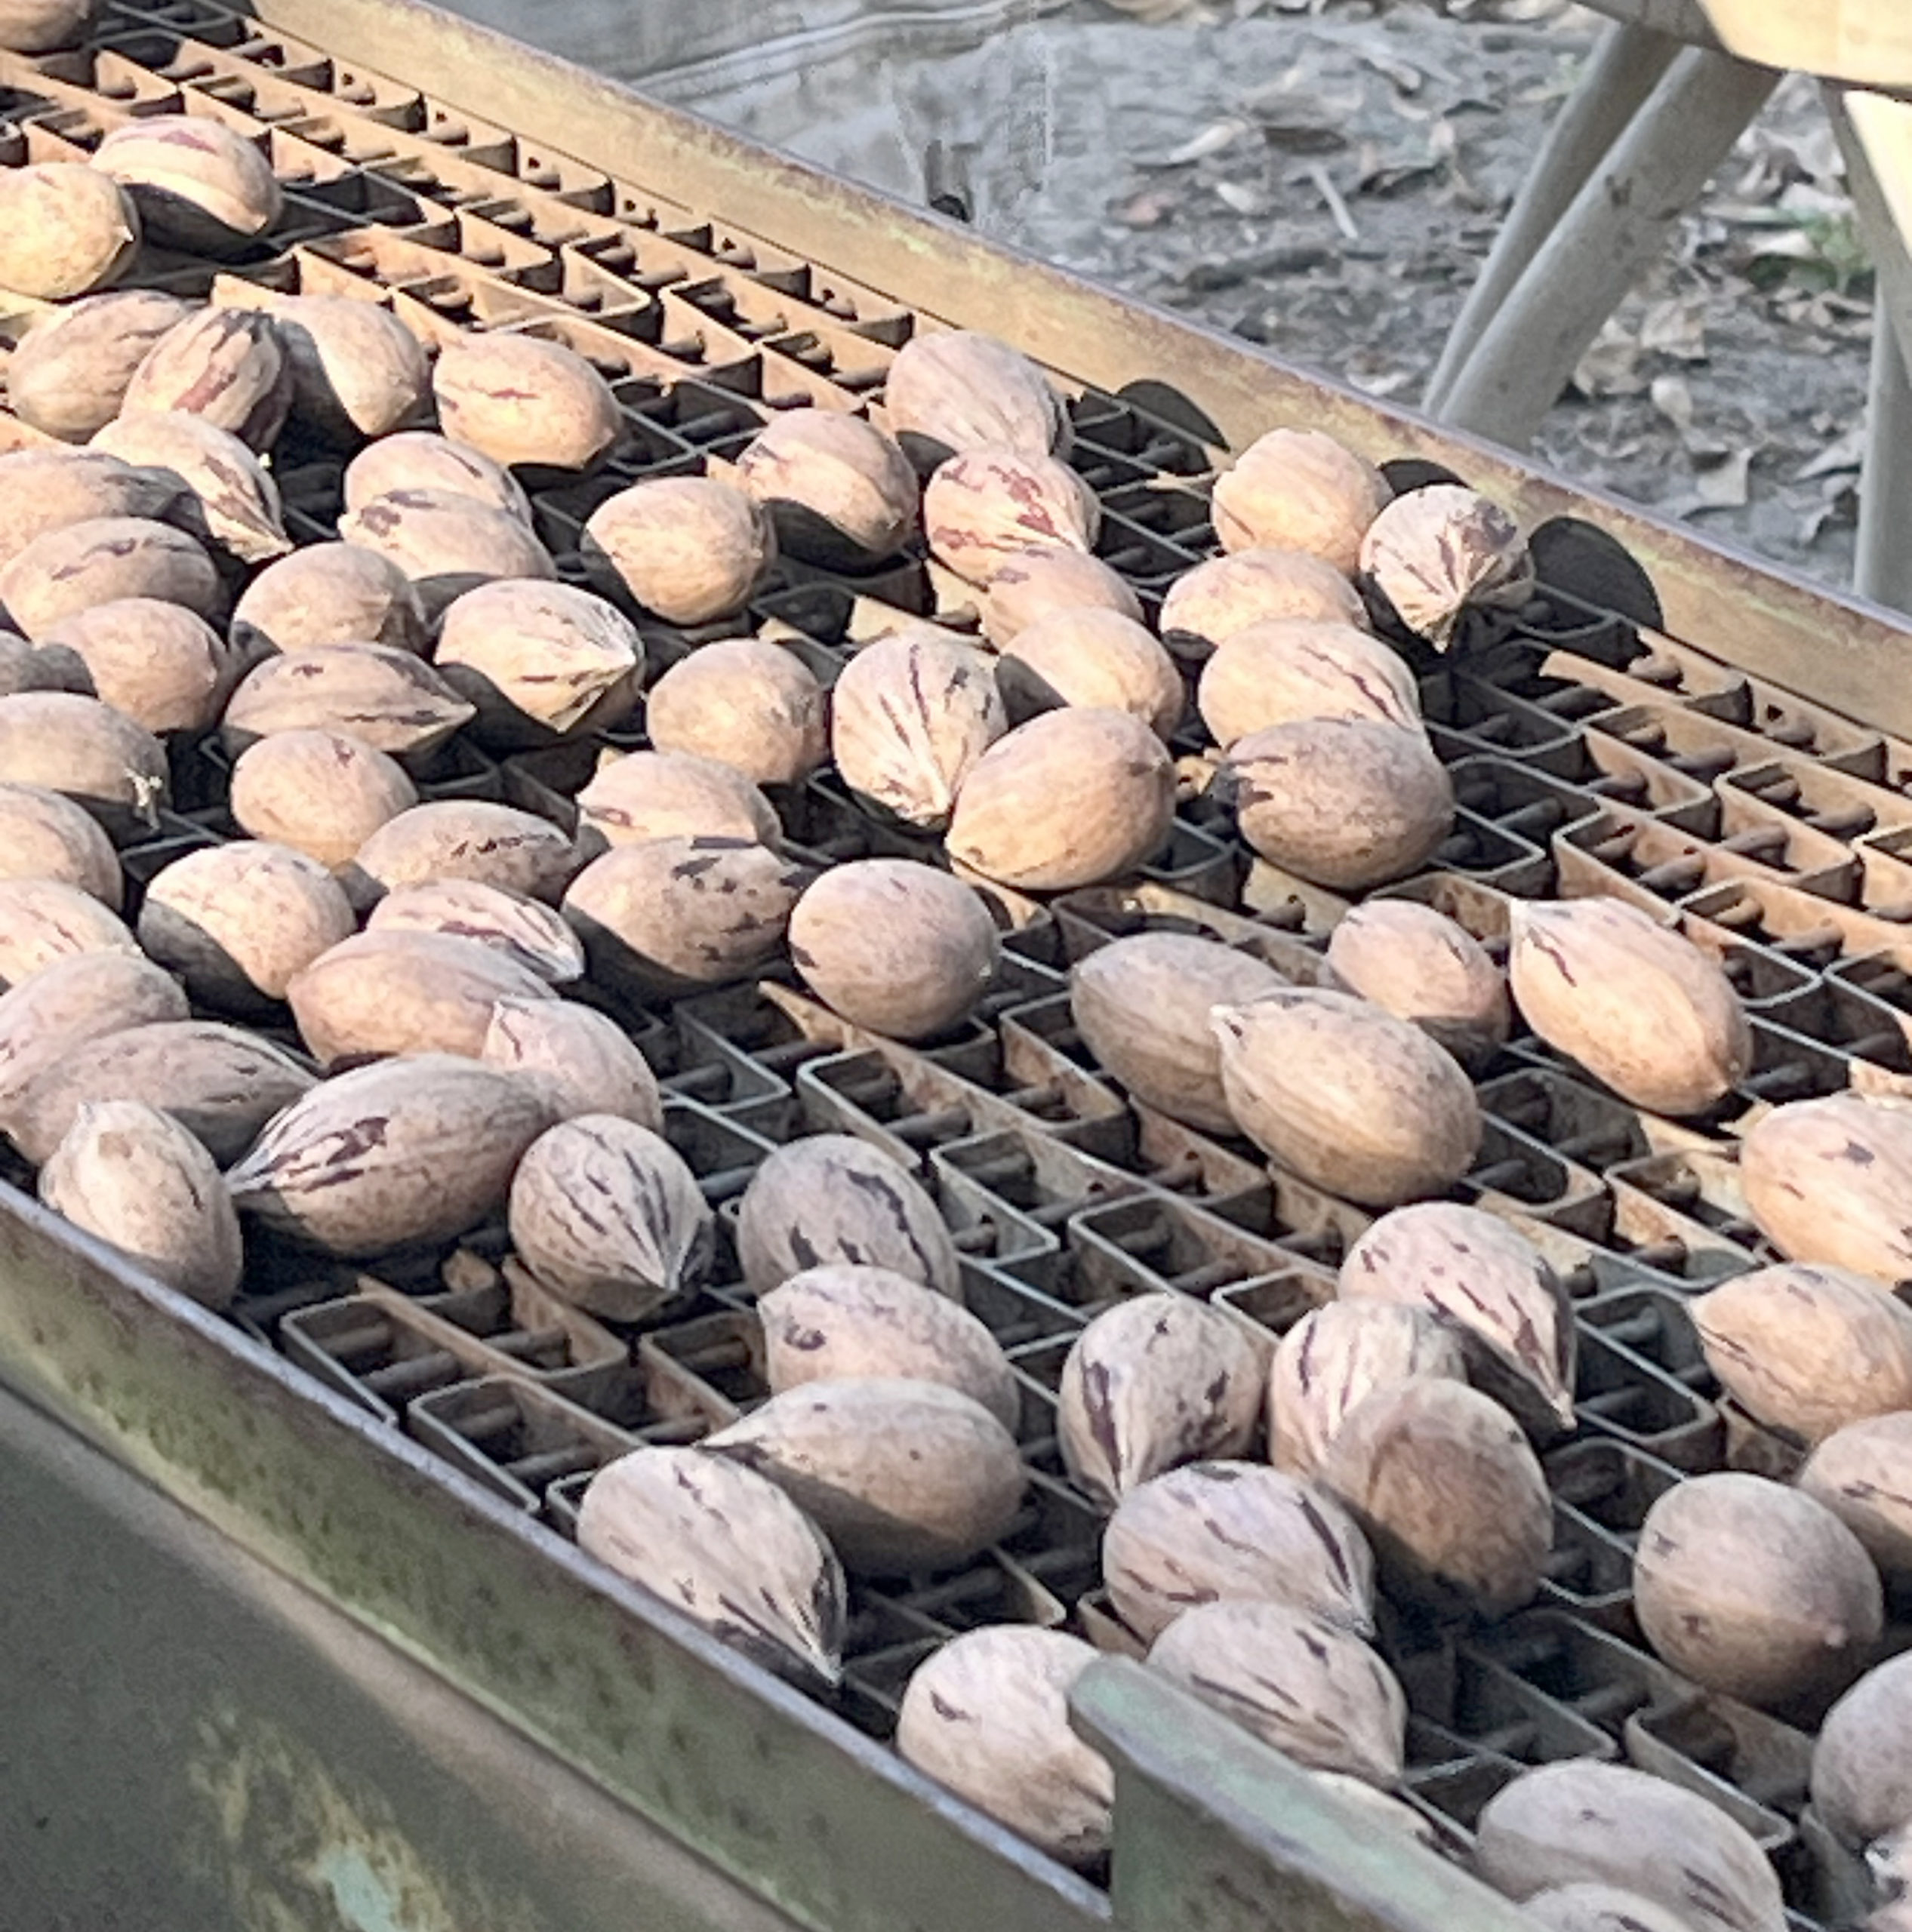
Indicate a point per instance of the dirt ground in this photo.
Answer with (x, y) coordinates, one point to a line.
(1327, 182)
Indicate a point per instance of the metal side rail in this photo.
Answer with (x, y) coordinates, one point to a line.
(303, 1677)
(193, 1740)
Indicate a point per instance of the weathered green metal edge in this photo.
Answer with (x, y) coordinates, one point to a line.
(825, 1825)
(194, 1741)
(1771, 622)
(1215, 1832)
(1213, 1829)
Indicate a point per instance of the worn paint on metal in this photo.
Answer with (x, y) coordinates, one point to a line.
(292, 1849)
(826, 1825)
(195, 1743)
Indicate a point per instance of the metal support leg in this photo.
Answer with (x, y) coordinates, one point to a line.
(1883, 567)
(1622, 70)
(1618, 221)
